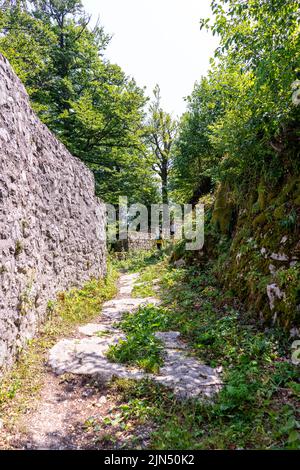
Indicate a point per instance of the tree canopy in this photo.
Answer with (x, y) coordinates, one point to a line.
(88, 102)
(241, 121)
(160, 134)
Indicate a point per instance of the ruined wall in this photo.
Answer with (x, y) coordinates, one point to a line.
(52, 228)
(136, 241)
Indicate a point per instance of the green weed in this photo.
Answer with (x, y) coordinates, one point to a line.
(141, 347)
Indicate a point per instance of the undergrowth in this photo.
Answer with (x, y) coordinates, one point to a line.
(258, 407)
(137, 260)
(141, 347)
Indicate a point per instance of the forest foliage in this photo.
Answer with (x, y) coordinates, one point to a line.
(242, 119)
(88, 102)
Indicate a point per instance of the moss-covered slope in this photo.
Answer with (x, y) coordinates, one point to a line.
(262, 265)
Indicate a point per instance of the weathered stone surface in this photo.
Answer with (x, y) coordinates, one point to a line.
(180, 263)
(171, 339)
(136, 241)
(187, 376)
(51, 225)
(95, 329)
(87, 356)
(274, 293)
(262, 266)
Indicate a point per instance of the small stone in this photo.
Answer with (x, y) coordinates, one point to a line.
(263, 251)
(294, 332)
(279, 257)
(274, 293)
(180, 263)
(272, 269)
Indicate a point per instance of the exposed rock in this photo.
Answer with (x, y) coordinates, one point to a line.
(186, 375)
(87, 356)
(171, 339)
(284, 240)
(295, 332)
(263, 252)
(279, 257)
(223, 209)
(272, 269)
(102, 400)
(95, 329)
(179, 264)
(266, 232)
(136, 241)
(274, 293)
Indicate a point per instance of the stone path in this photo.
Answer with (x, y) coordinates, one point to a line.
(86, 355)
(77, 410)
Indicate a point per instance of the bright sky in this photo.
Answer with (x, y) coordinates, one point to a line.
(158, 41)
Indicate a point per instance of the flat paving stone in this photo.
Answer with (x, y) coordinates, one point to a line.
(96, 329)
(87, 357)
(171, 339)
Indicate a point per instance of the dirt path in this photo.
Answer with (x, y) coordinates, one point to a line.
(76, 407)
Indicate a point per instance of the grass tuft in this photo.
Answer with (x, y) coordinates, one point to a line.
(141, 346)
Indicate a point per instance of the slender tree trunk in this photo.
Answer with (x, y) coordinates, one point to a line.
(164, 185)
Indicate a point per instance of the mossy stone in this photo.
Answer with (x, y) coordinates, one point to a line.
(223, 209)
(297, 201)
(279, 212)
(260, 220)
(262, 192)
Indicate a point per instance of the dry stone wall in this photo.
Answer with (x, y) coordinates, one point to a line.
(52, 227)
(136, 241)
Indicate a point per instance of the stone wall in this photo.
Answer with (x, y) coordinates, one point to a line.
(136, 241)
(52, 227)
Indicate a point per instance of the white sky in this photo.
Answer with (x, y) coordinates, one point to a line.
(158, 41)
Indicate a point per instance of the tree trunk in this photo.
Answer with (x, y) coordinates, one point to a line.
(164, 184)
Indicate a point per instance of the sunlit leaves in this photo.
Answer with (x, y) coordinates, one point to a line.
(246, 102)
